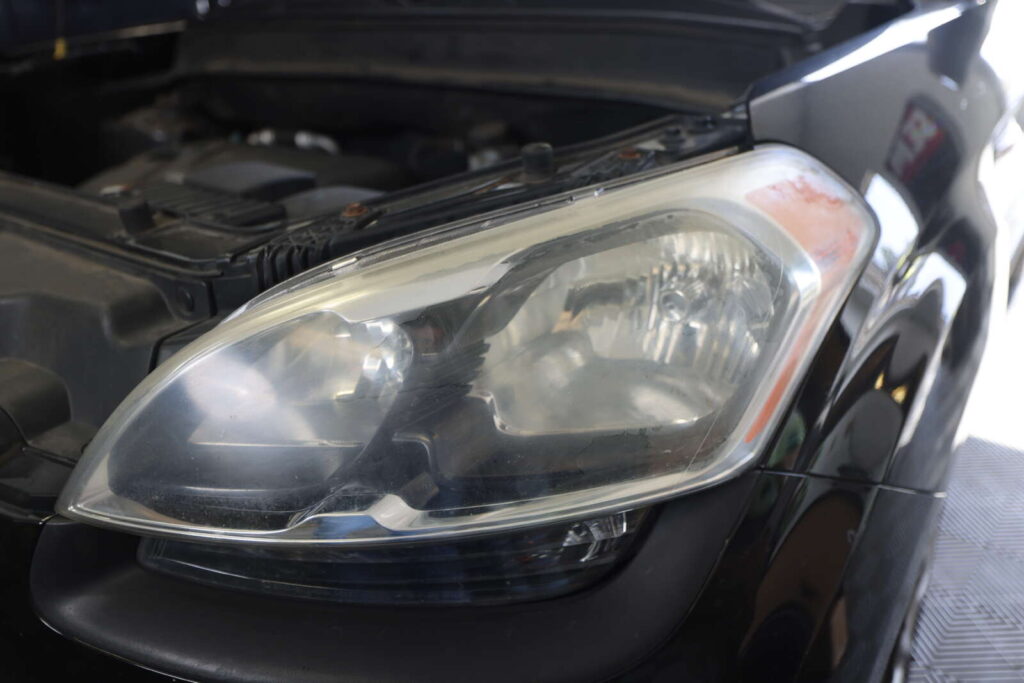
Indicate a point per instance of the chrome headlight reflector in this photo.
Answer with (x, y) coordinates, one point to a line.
(592, 354)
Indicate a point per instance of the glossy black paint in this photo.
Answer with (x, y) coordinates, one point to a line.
(810, 568)
(914, 329)
(871, 433)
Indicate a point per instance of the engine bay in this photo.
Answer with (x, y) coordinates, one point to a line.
(262, 178)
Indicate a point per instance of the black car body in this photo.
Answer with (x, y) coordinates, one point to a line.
(802, 566)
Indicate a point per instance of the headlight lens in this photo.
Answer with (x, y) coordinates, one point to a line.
(593, 354)
(532, 564)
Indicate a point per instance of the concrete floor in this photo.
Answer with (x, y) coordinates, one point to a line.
(971, 626)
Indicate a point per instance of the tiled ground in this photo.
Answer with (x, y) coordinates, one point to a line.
(972, 620)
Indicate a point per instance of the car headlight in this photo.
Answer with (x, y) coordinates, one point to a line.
(582, 357)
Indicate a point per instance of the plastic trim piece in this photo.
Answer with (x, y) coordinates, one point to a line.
(87, 585)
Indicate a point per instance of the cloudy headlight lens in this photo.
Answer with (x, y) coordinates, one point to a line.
(594, 354)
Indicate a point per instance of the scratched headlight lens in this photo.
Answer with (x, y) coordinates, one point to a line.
(593, 354)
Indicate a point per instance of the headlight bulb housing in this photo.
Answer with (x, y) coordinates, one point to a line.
(587, 355)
